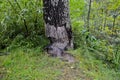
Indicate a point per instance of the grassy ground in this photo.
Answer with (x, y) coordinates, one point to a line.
(36, 65)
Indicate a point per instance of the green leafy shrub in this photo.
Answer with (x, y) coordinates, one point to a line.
(21, 19)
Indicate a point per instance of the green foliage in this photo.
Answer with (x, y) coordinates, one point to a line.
(97, 49)
(103, 38)
(20, 19)
(20, 65)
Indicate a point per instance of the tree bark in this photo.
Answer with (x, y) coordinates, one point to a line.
(88, 16)
(57, 23)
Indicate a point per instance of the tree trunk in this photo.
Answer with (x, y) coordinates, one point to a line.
(57, 24)
(88, 16)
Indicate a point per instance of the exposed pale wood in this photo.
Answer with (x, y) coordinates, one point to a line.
(57, 25)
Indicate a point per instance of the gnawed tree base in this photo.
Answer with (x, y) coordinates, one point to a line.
(59, 42)
(58, 28)
(54, 51)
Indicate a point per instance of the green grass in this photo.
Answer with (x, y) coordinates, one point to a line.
(35, 65)
(28, 66)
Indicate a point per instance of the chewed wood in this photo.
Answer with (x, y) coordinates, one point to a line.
(58, 27)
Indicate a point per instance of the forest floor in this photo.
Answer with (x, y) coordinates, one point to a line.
(34, 65)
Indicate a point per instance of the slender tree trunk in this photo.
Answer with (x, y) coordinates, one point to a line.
(57, 23)
(105, 21)
(114, 23)
(88, 16)
(113, 28)
(24, 20)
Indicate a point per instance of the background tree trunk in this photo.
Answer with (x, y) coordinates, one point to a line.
(57, 23)
(88, 16)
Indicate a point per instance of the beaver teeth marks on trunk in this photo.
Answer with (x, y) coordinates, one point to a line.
(54, 51)
(50, 30)
(60, 45)
(59, 33)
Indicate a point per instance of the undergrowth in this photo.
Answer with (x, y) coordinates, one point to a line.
(34, 64)
(97, 51)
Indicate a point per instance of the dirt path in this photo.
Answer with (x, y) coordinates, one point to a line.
(72, 73)
(2, 72)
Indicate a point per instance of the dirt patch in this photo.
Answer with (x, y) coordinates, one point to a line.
(2, 72)
(72, 73)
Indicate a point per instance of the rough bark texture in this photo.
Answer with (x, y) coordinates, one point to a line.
(57, 24)
(88, 16)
